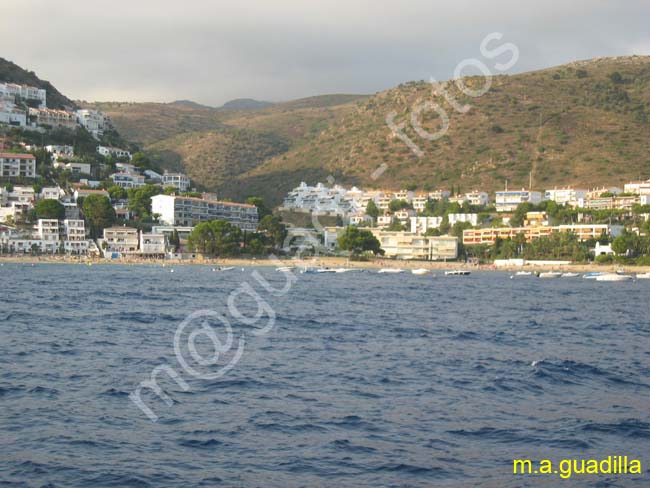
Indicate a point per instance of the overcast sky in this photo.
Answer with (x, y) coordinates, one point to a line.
(212, 51)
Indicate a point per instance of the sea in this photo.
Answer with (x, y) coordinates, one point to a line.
(183, 376)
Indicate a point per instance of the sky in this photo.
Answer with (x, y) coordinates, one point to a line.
(212, 51)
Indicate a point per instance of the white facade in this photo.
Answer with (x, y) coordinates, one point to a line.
(179, 181)
(60, 151)
(566, 196)
(469, 218)
(127, 180)
(115, 152)
(15, 165)
(121, 240)
(51, 193)
(12, 115)
(419, 225)
(321, 199)
(53, 118)
(14, 91)
(637, 187)
(509, 200)
(153, 243)
(477, 198)
(405, 245)
(189, 211)
(93, 121)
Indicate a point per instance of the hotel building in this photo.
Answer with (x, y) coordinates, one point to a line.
(189, 211)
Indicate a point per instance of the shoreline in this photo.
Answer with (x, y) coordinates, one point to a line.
(325, 261)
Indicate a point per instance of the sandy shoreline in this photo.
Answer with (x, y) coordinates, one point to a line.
(329, 262)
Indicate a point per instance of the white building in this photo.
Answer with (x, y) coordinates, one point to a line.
(93, 121)
(637, 187)
(51, 193)
(470, 218)
(127, 180)
(75, 236)
(321, 199)
(177, 210)
(509, 200)
(405, 245)
(419, 225)
(114, 152)
(15, 165)
(155, 244)
(121, 240)
(566, 196)
(179, 181)
(12, 115)
(59, 151)
(477, 198)
(48, 230)
(15, 92)
(53, 118)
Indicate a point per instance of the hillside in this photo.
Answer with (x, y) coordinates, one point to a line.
(13, 73)
(586, 123)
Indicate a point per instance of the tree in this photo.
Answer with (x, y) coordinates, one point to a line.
(358, 241)
(98, 212)
(458, 228)
(395, 226)
(627, 244)
(175, 240)
(50, 209)
(262, 209)
(117, 192)
(216, 237)
(272, 227)
(372, 210)
(396, 205)
(140, 200)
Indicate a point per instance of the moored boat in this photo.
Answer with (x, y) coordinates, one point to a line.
(570, 275)
(592, 275)
(391, 270)
(613, 277)
(550, 274)
(643, 276)
(458, 272)
(420, 271)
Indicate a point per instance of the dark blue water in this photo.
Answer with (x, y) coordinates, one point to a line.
(363, 380)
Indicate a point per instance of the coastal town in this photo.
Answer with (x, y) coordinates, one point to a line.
(115, 205)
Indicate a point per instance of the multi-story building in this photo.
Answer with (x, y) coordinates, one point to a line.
(177, 210)
(93, 121)
(637, 187)
(612, 203)
(17, 165)
(48, 230)
(406, 245)
(566, 196)
(12, 115)
(51, 193)
(490, 235)
(123, 240)
(75, 236)
(13, 91)
(114, 152)
(477, 198)
(153, 244)
(74, 167)
(179, 181)
(420, 225)
(439, 194)
(60, 151)
(53, 118)
(127, 180)
(470, 218)
(509, 200)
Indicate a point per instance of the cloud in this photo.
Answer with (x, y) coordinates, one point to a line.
(213, 51)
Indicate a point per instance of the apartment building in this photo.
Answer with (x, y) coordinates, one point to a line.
(153, 244)
(123, 240)
(406, 245)
(53, 118)
(189, 211)
(12, 115)
(612, 203)
(566, 196)
(509, 200)
(490, 235)
(13, 91)
(17, 165)
(114, 152)
(75, 236)
(127, 180)
(93, 121)
(179, 181)
(74, 167)
(637, 187)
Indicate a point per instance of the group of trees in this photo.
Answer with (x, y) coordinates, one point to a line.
(359, 241)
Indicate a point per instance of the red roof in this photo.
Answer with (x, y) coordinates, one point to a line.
(17, 156)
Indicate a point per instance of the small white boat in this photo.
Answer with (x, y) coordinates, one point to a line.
(592, 275)
(391, 270)
(643, 276)
(524, 273)
(222, 268)
(550, 274)
(570, 275)
(420, 271)
(458, 272)
(613, 277)
(284, 269)
(325, 270)
(342, 270)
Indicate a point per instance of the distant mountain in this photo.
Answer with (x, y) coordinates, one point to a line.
(12, 73)
(245, 104)
(189, 103)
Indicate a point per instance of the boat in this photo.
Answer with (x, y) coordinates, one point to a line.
(570, 275)
(342, 270)
(284, 269)
(222, 268)
(524, 273)
(643, 276)
(613, 277)
(391, 270)
(592, 275)
(420, 271)
(325, 270)
(458, 272)
(550, 274)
